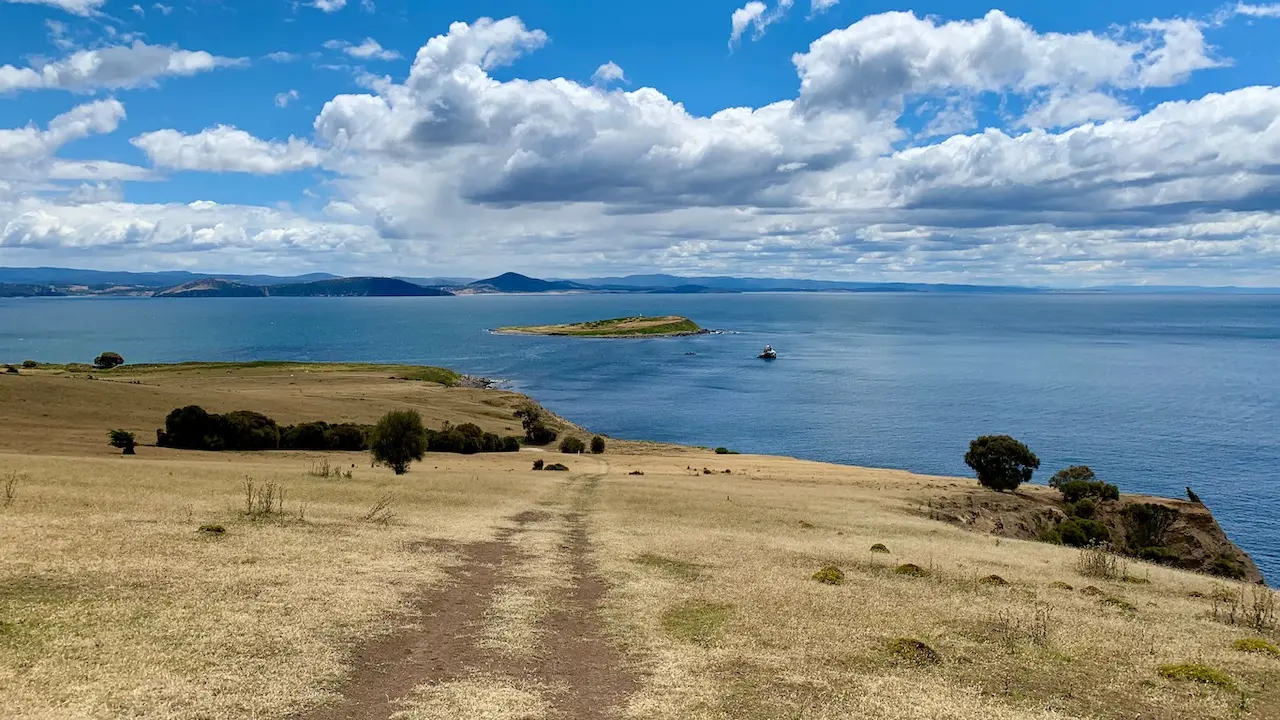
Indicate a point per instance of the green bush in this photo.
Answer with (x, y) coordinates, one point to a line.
(192, 428)
(1001, 462)
(880, 548)
(347, 436)
(572, 445)
(1192, 672)
(830, 575)
(1158, 555)
(1083, 508)
(122, 439)
(558, 467)
(1074, 473)
(539, 464)
(597, 445)
(11, 370)
(1081, 532)
(305, 436)
(533, 420)
(107, 360)
(249, 430)
(913, 651)
(1075, 490)
(30, 364)
(725, 451)
(911, 570)
(1147, 524)
(398, 439)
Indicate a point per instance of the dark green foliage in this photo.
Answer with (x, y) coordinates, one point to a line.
(1071, 474)
(830, 575)
(11, 370)
(911, 570)
(533, 419)
(398, 439)
(1191, 496)
(1084, 508)
(108, 360)
(725, 451)
(1157, 555)
(192, 428)
(123, 439)
(1081, 532)
(1147, 524)
(213, 529)
(913, 651)
(249, 430)
(880, 548)
(1075, 490)
(30, 364)
(572, 445)
(538, 464)
(1002, 463)
(993, 580)
(597, 445)
(305, 436)
(1197, 673)
(558, 467)
(469, 439)
(1228, 567)
(348, 436)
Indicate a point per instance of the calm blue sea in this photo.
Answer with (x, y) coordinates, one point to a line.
(1154, 392)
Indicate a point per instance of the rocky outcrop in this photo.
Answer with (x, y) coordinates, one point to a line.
(1192, 539)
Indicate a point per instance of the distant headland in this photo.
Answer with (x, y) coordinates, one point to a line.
(625, 327)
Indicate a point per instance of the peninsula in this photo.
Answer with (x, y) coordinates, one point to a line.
(626, 327)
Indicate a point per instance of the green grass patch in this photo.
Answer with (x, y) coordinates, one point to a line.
(697, 622)
(830, 575)
(680, 569)
(1194, 672)
(911, 570)
(422, 373)
(913, 651)
(1256, 645)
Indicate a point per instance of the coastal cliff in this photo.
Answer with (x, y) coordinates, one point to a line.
(1192, 538)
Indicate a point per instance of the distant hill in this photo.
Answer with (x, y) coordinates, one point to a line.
(215, 287)
(740, 284)
(355, 287)
(517, 283)
(12, 290)
(109, 278)
(338, 287)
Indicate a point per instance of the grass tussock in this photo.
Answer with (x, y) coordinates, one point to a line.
(678, 569)
(1099, 562)
(993, 581)
(1195, 672)
(1251, 606)
(880, 548)
(1059, 585)
(911, 570)
(380, 513)
(830, 575)
(912, 651)
(212, 529)
(263, 499)
(1256, 645)
(697, 622)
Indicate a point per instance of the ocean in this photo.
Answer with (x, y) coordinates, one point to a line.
(1154, 392)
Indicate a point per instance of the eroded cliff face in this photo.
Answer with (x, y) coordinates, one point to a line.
(1190, 536)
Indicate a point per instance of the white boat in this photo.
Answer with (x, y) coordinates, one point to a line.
(768, 354)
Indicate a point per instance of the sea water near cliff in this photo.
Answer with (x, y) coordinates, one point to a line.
(1154, 392)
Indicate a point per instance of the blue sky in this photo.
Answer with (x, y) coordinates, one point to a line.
(1061, 144)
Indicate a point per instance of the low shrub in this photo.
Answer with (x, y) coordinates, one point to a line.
(1059, 585)
(1098, 561)
(1256, 645)
(880, 548)
(538, 464)
(913, 651)
(1195, 672)
(830, 575)
(636, 472)
(108, 360)
(1083, 508)
(11, 370)
(993, 580)
(1148, 523)
(911, 570)
(557, 467)
(1076, 490)
(122, 439)
(1120, 603)
(725, 451)
(572, 445)
(212, 529)
(1080, 532)
(1092, 591)
(1158, 555)
(469, 439)
(30, 364)
(597, 445)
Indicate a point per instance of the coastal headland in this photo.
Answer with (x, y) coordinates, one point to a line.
(625, 327)
(644, 581)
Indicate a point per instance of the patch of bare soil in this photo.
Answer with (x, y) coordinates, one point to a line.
(589, 677)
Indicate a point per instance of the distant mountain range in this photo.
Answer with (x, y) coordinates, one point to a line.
(52, 282)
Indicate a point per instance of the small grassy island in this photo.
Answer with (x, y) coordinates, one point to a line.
(626, 327)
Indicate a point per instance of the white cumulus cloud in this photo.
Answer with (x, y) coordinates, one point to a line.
(608, 73)
(755, 15)
(122, 66)
(226, 149)
(370, 49)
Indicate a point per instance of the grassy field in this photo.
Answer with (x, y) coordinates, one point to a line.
(614, 328)
(474, 587)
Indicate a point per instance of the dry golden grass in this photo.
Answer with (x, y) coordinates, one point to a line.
(113, 604)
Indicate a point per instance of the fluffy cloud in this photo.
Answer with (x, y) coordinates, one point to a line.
(123, 66)
(83, 8)
(453, 167)
(226, 149)
(608, 73)
(329, 6)
(30, 142)
(754, 15)
(881, 59)
(1258, 10)
(283, 99)
(367, 50)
